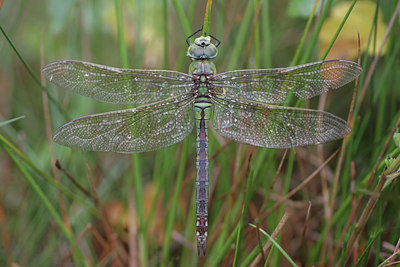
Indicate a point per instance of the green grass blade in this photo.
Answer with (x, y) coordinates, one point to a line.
(76, 253)
(216, 261)
(28, 68)
(2, 123)
(266, 35)
(243, 214)
(174, 205)
(241, 37)
(303, 37)
(165, 34)
(10, 147)
(33, 75)
(180, 64)
(207, 19)
(310, 47)
(182, 17)
(339, 29)
(135, 183)
(121, 36)
(250, 258)
(257, 56)
(188, 257)
(138, 53)
(281, 250)
(364, 256)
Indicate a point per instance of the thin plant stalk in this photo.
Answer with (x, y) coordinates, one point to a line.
(370, 206)
(241, 222)
(5, 143)
(136, 181)
(241, 39)
(377, 56)
(207, 19)
(303, 37)
(76, 253)
(165, 34)
(182, 17)
(339, 29)
(174, 205)
(314, 37)
(121, 38)
(33, 75)
(372, 200)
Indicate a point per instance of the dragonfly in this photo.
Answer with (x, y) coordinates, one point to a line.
(248, 106)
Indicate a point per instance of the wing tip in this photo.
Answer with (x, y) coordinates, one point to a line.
(343, 71)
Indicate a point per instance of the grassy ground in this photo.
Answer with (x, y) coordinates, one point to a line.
(332, 204)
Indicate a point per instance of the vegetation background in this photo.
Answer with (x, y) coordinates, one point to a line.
(321, 207)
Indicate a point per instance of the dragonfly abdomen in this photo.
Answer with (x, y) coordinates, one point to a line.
(202, 113)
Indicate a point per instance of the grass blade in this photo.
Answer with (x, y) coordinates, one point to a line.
(2, 123)
(76, 253)
(174, 205)
(281, 250)
(339, 29)
(207, 15)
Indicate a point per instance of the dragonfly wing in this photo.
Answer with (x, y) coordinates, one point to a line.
(137, 130)
(272, 126)
(272, 86)
(118, 86)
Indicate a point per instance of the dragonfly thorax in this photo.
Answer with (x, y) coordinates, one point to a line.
(202, 68)
(202, 48)
(202, 72)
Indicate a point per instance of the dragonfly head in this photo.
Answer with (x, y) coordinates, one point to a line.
(202, 48)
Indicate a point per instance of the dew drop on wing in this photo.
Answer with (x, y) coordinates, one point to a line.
(226, 123)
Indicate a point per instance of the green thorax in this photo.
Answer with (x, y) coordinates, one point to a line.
(202, 67)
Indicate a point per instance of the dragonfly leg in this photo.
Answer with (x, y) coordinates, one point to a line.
(187, 39)
(218, 41)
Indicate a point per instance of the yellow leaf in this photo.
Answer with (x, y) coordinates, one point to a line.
(360, 20)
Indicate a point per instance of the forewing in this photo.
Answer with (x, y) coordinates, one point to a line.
(118, 86)
(275, 126)
(272, 86)
(138, 130)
